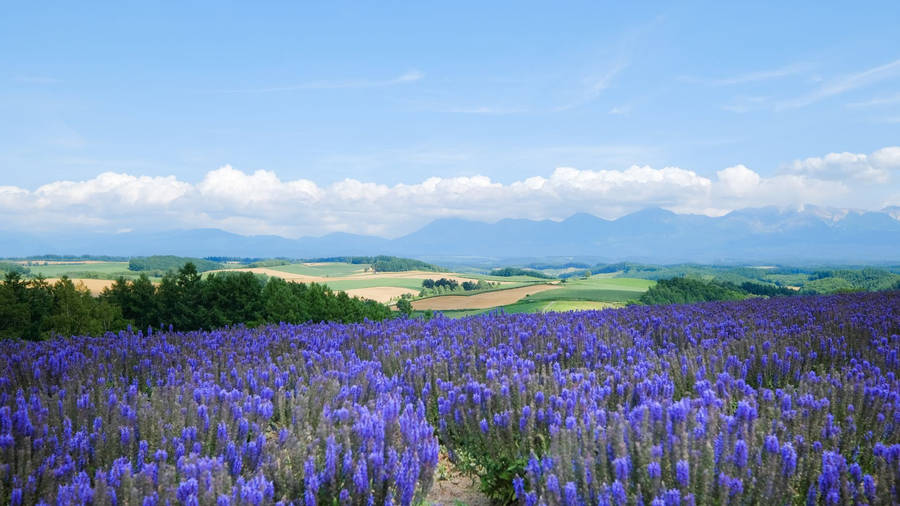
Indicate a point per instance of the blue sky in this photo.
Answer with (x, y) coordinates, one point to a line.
(281, 96)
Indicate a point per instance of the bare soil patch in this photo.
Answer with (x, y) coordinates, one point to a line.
(272, 273)
(479, 301)
(94, 285)
(379, 293)
(452, 488)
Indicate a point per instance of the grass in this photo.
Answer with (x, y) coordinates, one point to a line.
(577, 305)
(329, 270)
(105, 270)
(521, 279)
(467, 293)
(597, 289)
(528, 305)
(597, 292)
(531, 306)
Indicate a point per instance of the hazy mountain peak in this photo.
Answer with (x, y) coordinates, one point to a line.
(767, 234)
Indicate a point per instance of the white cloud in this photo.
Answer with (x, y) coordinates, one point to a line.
(752, 77)
(875, 168)
(844, 84)
(260, 202)
(112, 189)
(878, 101)
(407, 77)
(738, 180)
(593, 86)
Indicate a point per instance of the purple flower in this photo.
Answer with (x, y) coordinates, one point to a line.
(740, 454)
(519, 487)
(869, 487)
(788, 460)
(771, 444)
(622, 467)
(619, 496)
(682, 473)
(15, 498)
(571, 494)
(672, 497)
(552, 484)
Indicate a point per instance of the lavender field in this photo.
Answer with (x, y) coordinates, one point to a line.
(788, 401)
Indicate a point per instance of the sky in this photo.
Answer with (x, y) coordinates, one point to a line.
(301, 119)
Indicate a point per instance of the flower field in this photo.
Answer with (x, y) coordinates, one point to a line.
(792, 400)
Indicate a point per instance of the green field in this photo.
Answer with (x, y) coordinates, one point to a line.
(331, 270)
(104, 270)
(521, 279)
(597, 289)
(531, 306)
(597, 292)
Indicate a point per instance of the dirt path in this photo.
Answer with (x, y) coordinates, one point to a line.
(451, 488)
(480, 301)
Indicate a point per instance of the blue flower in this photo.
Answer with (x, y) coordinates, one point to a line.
(682, 473)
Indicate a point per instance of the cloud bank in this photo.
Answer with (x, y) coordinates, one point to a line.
(262, 203)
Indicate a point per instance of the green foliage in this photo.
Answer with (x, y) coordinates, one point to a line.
(495, 471)
(13, 267)
(272, 262)
(165, 263)
(404, 306)
(385, 263)
(827, 285)
(797, 279)
(444, 283)
(868, 279)
(34, 309)
(443, 286)
(515, 271)
(395, 264)
(766, 290)
(687, 290)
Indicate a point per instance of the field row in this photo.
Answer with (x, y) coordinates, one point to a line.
(513, 294)
(785, 401)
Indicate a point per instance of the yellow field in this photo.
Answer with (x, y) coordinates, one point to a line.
(480, 301)
(382, 294)
(303, 278)
(94, 285)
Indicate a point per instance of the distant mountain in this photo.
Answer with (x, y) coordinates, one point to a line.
(652, 235)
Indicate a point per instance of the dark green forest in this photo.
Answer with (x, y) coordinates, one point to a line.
(383, 263)
(683, 290)
(515, 271)
(164, 263)
(809, 280)
(34, 309)
(687, 290)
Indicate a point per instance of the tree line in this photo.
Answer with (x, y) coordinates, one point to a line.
(35, 309)
(383, 263)
(515, 271)
(165, 263)
(682, 290)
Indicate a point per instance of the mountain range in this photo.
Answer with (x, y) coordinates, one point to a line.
(652, 235)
